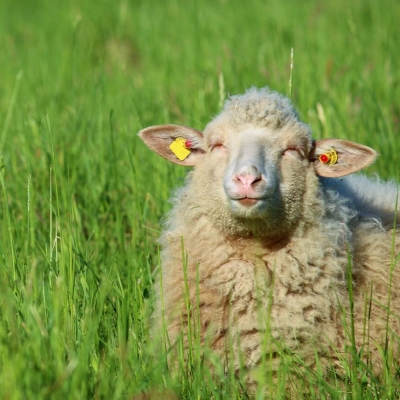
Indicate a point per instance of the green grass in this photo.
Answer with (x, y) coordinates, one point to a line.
(81, 198)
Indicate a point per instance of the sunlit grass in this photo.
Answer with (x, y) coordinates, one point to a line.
(81, 198)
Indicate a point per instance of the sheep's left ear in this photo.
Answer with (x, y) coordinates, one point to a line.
(178, 144)
(334, 157)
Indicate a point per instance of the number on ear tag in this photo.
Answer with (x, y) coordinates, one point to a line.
(178, 147)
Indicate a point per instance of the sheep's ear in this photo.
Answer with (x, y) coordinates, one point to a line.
(334, 157)
(178, 144)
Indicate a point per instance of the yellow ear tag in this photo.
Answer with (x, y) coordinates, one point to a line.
(331, 157)
(179, 148)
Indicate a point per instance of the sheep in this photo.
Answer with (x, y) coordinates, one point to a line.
(269, 220)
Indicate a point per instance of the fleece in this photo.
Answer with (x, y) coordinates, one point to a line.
(276, 265)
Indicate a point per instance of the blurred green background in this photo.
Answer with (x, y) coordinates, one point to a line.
(81, 198)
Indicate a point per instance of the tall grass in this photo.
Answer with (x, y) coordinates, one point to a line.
(81, 198)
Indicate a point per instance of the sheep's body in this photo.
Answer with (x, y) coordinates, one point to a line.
(282, 270)
(307, 275)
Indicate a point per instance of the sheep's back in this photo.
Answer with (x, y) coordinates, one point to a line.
(376, 286)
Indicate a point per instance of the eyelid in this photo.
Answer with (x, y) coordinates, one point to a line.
(215, 144)
(296, 149)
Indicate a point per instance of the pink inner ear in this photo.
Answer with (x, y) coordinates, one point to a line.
(351, 157)
(159, 138)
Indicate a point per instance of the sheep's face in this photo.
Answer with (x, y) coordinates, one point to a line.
(255, 163)
(258, 167)
(256, 175)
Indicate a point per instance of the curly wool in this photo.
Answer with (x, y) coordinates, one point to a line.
(260, 107)
(294, 287)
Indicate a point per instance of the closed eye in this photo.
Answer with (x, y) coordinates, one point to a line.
(217, 147)
(294, 151)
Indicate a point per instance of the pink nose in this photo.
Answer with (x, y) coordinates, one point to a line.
(248, 180)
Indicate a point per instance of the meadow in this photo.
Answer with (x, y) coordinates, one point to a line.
(81, 198)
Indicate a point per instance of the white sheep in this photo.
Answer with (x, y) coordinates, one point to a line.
(268, 225)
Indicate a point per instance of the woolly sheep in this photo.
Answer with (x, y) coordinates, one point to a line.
(268, 224)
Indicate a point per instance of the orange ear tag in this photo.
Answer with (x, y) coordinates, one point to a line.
(180, 147)
(331, 157)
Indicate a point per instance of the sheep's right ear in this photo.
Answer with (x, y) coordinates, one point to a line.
(178, 144)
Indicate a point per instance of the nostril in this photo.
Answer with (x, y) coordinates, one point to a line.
(248, 180)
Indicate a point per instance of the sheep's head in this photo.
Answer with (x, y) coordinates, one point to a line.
(254, 161)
